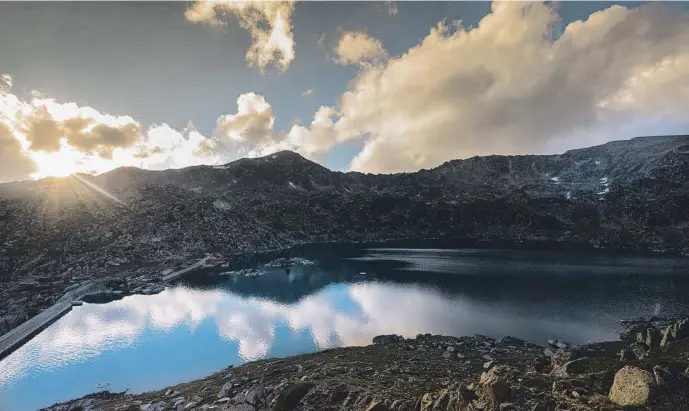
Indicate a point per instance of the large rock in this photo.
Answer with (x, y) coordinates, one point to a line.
(681, 329)
(387, 339)
(668, 335)
(291, 396)
(376, 406)
(632, 386)
(256, 395)
(493, 386)
(635, 351)
(577, 366)
(225, 390)
(563, 356)
(652, 337)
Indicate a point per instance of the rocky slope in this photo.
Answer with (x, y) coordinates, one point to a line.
(434, 373)
(55, 233)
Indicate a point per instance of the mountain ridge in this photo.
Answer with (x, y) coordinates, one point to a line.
(626, 194)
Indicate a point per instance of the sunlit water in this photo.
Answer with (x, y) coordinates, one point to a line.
(189, 331)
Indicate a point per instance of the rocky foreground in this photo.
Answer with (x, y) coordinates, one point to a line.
(436, 373)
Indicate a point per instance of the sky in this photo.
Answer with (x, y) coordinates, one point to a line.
(377, 87)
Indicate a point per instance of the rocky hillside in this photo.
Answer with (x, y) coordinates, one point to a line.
(622, 194)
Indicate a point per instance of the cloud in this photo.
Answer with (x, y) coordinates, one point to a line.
(307, 92)
(391, 8)
(253, 121)
(83, 128)
(355, 47)
(41, 137)
(268, 22)
(15, 164)
(5, 83)
(510, 86)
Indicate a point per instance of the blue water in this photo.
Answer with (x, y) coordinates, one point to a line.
(191, 330)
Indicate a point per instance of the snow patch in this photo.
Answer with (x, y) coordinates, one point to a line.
(597, 162)
(221, 167)
(603, 180)
(606, 191)
(568, 196)
(291, 184)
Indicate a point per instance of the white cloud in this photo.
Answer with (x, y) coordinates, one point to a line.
(5, 83)
(268, 22)
(508, 87)
(355, 47)
(307, 92)
(41, 137)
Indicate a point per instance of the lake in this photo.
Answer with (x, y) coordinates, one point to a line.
(353, 294)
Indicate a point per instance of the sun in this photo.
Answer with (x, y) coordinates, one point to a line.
(56, 164)
(67, 161)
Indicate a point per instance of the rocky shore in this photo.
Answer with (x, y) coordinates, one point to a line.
(437, 373)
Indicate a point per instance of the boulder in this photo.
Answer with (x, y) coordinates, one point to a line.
(572, 367)
(256, 396)
(681, 329)
(668, 336)
(376, 406)
(652, 337)
(637, 350)
(225, 390)
(425, 402)
(387, 339)
(462, 397)
(564, 355)
(632, 386)
(291, 396)
(664, 377)
(493, 386)
(442, 402)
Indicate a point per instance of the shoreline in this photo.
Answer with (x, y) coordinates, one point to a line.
(98, 291)
(430, 373)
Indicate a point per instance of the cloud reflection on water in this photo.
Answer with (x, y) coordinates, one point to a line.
(334, 316)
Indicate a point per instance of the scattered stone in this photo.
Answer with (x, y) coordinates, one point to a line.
(246, 272)
(632, 386)
(289, 262)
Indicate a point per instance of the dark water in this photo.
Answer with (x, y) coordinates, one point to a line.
(190, 330)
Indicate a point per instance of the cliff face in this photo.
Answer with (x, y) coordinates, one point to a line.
(622, 194)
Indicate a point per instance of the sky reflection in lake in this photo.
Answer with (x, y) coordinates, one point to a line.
(188, 331)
